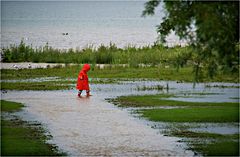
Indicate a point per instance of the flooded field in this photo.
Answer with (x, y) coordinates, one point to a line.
(30, 65)
(92, 126)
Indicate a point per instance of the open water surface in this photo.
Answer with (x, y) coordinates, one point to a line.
(87, 23)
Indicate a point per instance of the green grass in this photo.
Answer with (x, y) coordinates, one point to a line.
(160, 100)
(196, 114)
(22, 140)
(66, 72)
(112, 74)
(191, 134)
(19, 138)
(159, 73)
(115, 72)
(191, 111)
(181, 58)
(103, 54)
(51, 85)
(221, 148)
(61, 84)
(210, 144)
(8, 106)
(204, 143)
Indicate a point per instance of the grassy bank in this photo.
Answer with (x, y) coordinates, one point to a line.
(176, 113)
(156, 55)
(160, 100)
(182, 111)
(67, 76)
(49, 85)
(160, 73)
(101, 55)
(19, 138)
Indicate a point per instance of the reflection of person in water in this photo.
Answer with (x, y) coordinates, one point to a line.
(82, 82)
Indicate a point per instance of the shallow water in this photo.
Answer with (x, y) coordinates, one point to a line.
(215, 128)
(91, 126)
(225, 128)
(200, 93)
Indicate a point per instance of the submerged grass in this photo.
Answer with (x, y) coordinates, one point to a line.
(159, 73)
(70, 73)
(60, 84)
(157, 87)
(162, 100)
(35, 86)
(174, 62)
(204, 143)
(66, 76)
(19, 138)
(108, 72)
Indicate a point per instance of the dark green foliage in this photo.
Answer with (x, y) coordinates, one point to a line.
(19, 53)
(151, 55)
(19, 138)
(212, 28)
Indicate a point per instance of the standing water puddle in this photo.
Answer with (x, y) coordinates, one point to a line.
(92, 126)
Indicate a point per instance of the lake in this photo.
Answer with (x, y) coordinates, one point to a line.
(87, 23)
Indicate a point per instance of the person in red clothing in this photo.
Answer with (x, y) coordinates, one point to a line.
(82, 82)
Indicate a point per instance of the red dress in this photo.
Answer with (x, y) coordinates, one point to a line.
(82, 82)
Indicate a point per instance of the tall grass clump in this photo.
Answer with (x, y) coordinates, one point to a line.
(111, 54)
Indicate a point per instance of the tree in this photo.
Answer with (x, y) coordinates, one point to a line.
(212, 28)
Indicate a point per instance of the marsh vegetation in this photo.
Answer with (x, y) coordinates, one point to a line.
(21, 138)
(160, 60)
(65, 77)
(190, 113)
